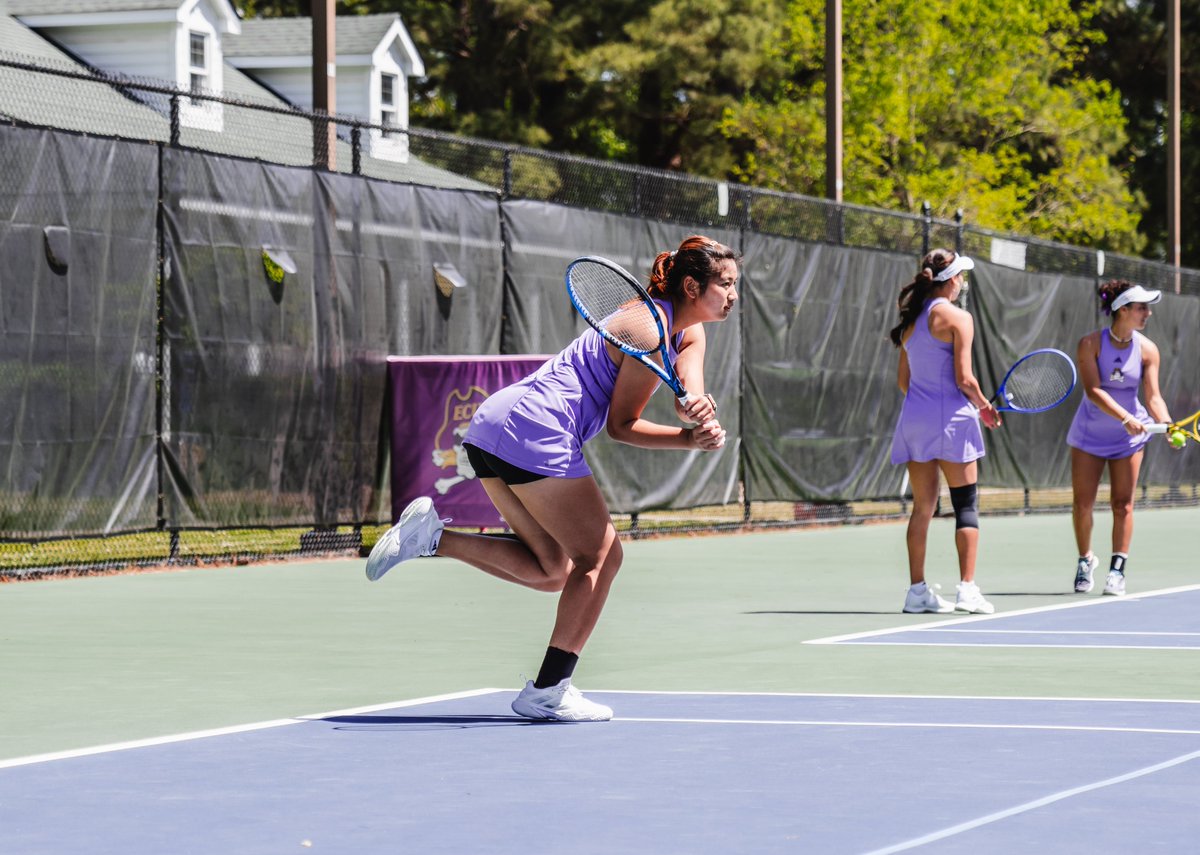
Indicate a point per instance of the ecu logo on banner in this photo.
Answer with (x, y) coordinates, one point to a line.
(448, 451)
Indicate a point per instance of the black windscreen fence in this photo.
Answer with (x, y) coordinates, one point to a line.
(197, 343)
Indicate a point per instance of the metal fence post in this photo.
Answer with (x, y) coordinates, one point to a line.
(175, 120)
(926, 226)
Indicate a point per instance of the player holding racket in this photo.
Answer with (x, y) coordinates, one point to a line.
(938, 429)
(1109, 428)
(526, 445)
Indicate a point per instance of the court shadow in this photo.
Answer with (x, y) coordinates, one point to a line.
(824, 612)
(996, 596)
(427, 722)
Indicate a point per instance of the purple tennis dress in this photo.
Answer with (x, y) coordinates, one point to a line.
(541, 422)
(937, 422)
(1092, 429)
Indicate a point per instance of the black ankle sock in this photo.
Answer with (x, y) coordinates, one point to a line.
(557, 665)
(1118, 563)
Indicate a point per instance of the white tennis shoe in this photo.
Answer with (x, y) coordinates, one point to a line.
(416, 534)
(1083, 573)
(926, 600)
(560, 702)
(1114, 585)
(970, 600)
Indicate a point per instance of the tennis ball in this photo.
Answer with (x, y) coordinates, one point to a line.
(1178, 439)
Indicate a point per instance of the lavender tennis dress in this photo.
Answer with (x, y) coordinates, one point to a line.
(541, 422)
(1093, 430)
(937, 422)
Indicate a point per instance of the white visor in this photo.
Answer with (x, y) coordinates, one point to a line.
(955, 267)
(1136, 294)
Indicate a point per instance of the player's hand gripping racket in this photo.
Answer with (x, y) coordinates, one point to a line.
(1038, 381)
(618, 307)
(1189, 427)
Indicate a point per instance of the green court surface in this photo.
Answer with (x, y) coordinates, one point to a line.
(96, 660)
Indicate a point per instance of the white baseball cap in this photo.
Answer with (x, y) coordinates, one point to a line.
(955, 267)
(1136, 294)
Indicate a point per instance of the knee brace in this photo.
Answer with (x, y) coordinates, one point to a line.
(965, 500)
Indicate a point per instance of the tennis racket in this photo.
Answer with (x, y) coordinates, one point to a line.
(1038, 381)
(1189, 426)
(618, 307)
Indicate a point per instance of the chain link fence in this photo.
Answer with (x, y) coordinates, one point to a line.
(128, 374)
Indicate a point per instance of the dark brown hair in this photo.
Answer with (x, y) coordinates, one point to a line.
(1109, 292)
(698, 256)
(915, 294)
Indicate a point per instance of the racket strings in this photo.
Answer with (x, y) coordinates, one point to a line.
(1039, 383)
(616, 306)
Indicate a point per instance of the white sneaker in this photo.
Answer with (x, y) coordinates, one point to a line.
(416, 534)
(970, 600)
(926, 599)
(1114, 585)
(560, 702)
(1083, 573)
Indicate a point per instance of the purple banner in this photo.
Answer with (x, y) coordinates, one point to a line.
(433, 400)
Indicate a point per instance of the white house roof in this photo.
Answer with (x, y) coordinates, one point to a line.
(38, 13)
(354, 36)
(75, 7)
(31, 93)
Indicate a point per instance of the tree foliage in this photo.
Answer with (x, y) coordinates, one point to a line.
(997, 108)
(969, 104)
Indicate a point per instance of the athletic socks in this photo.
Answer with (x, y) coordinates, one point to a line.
(556, 667)
(1118, 563)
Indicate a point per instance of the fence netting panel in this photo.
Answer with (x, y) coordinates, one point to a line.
(820, 396)
(78, 251)
(287, 290)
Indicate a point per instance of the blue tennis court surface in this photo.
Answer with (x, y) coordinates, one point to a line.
(1160, 620)
(673, 773)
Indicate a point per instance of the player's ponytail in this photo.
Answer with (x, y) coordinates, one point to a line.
(915, 294)
(1109, 291)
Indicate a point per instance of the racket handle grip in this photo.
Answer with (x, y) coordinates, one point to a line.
(683, 399)
(1157, 428)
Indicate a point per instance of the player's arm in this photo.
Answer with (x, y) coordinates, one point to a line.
(961, 327)
(903, 372)
(631, 394)
(1155, 403)
(689, 365)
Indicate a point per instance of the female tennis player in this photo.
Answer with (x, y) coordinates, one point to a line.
(525, 443)
(938, 430)
(1109, 428)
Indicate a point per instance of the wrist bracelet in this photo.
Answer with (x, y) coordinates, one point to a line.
(711, 401)
(1128, 418)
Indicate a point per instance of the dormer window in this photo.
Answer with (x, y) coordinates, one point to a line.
(198, 62)
(388, 111)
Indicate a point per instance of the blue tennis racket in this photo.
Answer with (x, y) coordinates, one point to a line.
(618, 307)
(1038, 381)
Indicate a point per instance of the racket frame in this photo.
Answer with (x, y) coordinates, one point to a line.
(1190, 426)
(1000, 399)
(666, 371)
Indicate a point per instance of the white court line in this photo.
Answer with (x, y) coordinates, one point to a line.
(225, 731)
(990, 646)
(1033, 805)
(909, 724)
(976, 619)
(894, 696)
(264, 725)
(1058, 632)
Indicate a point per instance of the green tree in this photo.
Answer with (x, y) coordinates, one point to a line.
(971, 104)
(1134, 59)
(998, 108)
